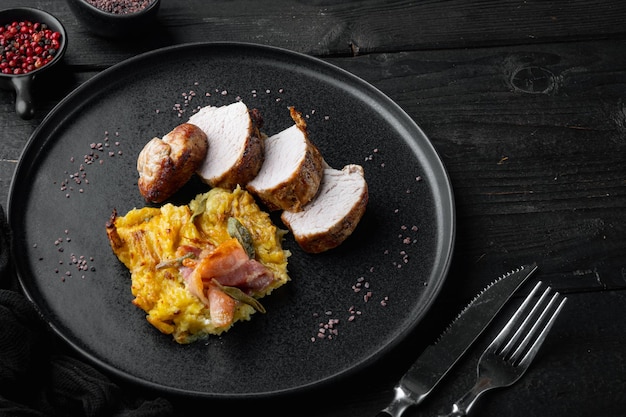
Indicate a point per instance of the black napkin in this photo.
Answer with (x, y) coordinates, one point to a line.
(39, 375)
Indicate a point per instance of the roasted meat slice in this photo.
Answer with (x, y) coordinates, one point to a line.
(292, 170)
(334, 213)
(236, 145)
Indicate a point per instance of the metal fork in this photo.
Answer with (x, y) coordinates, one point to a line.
(508, 357)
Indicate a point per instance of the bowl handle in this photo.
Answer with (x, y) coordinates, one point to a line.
(23, 97)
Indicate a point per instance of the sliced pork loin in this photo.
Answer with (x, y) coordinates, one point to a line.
(236, 145)
(334, 213)
(292, 170)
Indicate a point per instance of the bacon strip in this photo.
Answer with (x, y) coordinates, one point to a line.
(229, 265)
(221, 306)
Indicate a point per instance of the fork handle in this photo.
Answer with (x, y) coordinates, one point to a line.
(456, 412)
(462, 406)
(401, 401)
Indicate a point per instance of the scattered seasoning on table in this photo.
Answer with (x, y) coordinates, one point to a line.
(26, 46)
(326, 329)
(120, 6)
(80, 263)
(77, 180)
(408, 236)
(329, 328)
(185, 106)
(181, 108)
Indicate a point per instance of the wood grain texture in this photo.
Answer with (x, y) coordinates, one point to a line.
(525, 103)
(329, 28)
(535, 173)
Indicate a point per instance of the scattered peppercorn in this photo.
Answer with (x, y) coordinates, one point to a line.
(120, 6)
(26, 46)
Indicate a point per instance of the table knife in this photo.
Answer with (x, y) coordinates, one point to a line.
(437, 359)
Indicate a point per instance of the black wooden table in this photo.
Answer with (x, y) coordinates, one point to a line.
(525, 103)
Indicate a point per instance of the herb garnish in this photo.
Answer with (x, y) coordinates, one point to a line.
(175, 262)
(242, 234)
(239, 295)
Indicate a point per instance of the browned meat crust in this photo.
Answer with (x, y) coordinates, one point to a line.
(236, 151)
(316, 234)
(246, 167)
(165, 165)
(301, 185)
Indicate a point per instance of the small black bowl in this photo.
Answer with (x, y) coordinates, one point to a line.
(22, 83)
(113, 25)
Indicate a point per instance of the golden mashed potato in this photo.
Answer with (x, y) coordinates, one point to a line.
(149, 241)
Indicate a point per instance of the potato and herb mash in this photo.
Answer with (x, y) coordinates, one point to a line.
(197, 269)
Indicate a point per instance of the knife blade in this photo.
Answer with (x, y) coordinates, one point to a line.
(439, 358)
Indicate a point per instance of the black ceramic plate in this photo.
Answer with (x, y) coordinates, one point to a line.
(80, 164)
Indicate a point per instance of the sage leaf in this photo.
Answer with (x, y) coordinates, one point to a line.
(242, 234)
(240, 296)
(199, 207)
(174, 262)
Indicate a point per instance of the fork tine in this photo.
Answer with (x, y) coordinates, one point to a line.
(519, 353)
(497, 366)
(538, 340)
(522, 329)
(508, 327)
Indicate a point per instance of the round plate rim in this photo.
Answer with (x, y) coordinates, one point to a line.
(446, 208)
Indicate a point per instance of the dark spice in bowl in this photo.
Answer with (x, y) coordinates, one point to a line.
(121, 6)
(115, 18)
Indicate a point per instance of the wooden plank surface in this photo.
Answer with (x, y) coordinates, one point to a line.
(329, 28)
(523, 100)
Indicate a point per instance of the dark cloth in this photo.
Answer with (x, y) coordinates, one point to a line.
(39, 377)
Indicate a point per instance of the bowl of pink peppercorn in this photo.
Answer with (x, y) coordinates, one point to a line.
(31, 41)
(115, 18)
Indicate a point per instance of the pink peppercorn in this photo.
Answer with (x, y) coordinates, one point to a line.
(26, 46)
